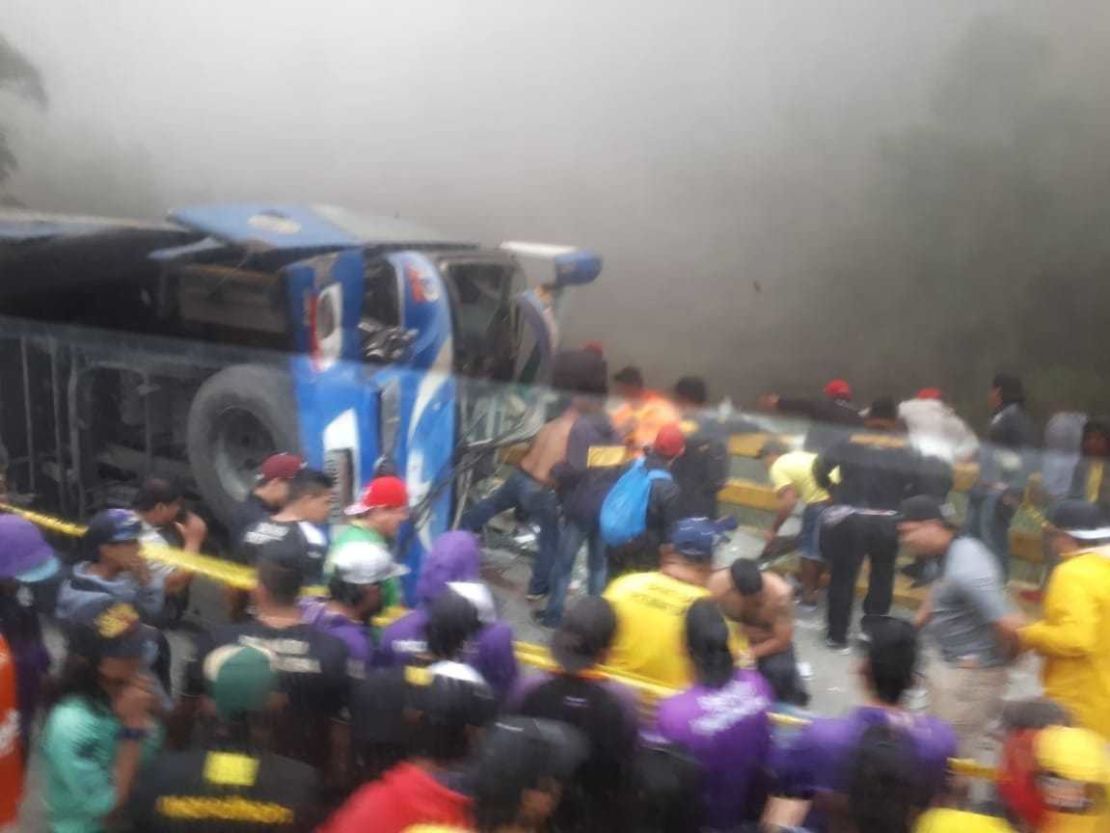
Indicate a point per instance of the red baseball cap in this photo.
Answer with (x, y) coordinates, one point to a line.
(670, 441)
(930, 393)
(279, 467)
(380, 493)
(838, 389)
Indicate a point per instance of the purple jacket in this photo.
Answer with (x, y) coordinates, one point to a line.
(360, 646)
(454, 557)
(728, 732)
(819, 757)
(491, 653)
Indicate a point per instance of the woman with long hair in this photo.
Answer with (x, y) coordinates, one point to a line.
(722, 720)
(101, 722)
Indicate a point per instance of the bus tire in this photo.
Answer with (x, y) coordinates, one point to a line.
(238, 418)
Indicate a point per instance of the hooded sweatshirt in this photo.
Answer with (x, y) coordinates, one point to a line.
(84, 591)
(453, 558)
(405, 796)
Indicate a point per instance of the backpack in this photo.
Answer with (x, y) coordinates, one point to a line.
(624, 511)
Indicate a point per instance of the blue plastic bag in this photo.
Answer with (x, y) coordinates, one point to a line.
(624, 511)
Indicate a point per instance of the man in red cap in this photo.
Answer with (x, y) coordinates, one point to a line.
(376, 519)
(838, 390)
(641, 554)
(831, 418)
(936, 430)
(269, 495)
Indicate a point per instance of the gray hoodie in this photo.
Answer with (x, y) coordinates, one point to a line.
(83, 589)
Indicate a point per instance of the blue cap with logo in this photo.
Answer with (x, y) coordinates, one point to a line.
(113, 526)
(695, 538)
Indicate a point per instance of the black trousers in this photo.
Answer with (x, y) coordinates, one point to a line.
(781, 671)
(844, 545)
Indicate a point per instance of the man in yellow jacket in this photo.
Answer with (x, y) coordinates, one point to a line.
(1074, 635)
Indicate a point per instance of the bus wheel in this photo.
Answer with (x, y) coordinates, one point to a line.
(239, 417)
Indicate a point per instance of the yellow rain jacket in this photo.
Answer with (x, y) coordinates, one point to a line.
(1074, 638)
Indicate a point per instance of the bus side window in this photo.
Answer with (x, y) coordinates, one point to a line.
(382, 339)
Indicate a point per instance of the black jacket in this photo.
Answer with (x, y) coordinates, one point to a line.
(1082, 473)
(592, 465)
(176, 792)
(878, 470)
(831, 420)
(1009, 454)
(663, 503)
(702, 471)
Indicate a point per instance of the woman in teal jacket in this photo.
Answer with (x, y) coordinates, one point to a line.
(101, 726)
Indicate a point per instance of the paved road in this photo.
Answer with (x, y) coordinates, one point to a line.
(833, 680)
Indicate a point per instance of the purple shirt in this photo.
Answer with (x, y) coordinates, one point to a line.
(491, 654)
(360, 647)
(820, 756)
(728, 732)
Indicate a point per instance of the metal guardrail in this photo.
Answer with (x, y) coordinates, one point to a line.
(242, 577)
(1024, 545)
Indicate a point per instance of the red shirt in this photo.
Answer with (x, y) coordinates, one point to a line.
(405, 796)
(11, 758)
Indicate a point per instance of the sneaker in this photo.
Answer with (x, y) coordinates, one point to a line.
(536, 597)
(838, 647)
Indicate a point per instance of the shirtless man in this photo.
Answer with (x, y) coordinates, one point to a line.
(763, 604)
(530, 489)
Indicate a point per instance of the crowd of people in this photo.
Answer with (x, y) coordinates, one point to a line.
(308, 712)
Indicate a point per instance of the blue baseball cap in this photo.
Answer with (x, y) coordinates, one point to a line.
(695, 538)
(113, 526)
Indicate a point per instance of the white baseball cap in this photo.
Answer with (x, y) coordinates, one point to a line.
(363, 562)
(478, 595)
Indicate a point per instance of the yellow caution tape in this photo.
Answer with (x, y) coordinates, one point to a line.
(536, 656)
(225, 572)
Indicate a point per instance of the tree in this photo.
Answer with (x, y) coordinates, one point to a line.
(19, 76)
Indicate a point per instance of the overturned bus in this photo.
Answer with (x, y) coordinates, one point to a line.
(197, 346)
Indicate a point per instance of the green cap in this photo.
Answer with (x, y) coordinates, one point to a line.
(240, 679)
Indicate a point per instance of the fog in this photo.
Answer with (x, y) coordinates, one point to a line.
(782, 191)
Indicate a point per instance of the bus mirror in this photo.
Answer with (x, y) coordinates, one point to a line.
(570, 266)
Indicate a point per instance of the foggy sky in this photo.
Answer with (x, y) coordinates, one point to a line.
(700, 147)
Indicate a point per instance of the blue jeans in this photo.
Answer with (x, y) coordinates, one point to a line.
(539, 505)
(809, 539)
(990, 511)
(575, 533)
